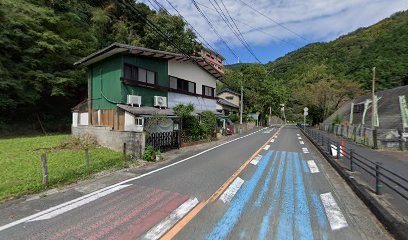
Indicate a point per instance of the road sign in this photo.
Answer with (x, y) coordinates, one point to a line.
(305, 111)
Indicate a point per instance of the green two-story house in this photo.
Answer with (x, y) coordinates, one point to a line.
(126, 84)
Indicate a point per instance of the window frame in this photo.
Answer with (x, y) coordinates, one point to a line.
(134, 72)
(204, 87)
(137, 119)
(183, 85)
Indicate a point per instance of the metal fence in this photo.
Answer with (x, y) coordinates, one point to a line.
(357, 133)
(164, 141)
(378, 174)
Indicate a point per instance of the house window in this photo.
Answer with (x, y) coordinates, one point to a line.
(134, 73)
(182, 85)
(139, 121)
(208, 91)
(229, 97)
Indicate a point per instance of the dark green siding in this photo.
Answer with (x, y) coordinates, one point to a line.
(153, 64)
(106, 85)
(107, 88)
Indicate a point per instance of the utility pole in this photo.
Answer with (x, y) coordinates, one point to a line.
(373, 117)
(241, 105)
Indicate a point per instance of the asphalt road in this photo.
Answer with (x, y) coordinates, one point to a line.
(225, 192)
(392, 200)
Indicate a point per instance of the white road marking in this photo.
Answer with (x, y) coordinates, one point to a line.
(301, 142)
(312, 166)
(28, 218)
(256, 159)
(297, 134)
(273, 140)
(231, 190)
(333, 212)
(74, 205)
(267, 147)
(162, 227)
(305, 150)
(299, 138)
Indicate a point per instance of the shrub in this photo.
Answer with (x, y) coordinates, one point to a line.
(234, 118)
(208, 123)
(150, 154)
(337, 119)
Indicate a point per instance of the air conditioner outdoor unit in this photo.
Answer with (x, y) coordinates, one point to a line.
(134, 100)
(160, 101)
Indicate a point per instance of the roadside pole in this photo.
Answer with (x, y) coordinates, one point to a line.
(305, 113)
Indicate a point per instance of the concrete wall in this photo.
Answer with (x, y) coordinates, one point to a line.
(130, 123)
(191, 72)
(245, 126)
(200, 103)
(83, 119)
(135, 141)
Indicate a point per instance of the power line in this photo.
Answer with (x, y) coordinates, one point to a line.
(158, 31)
(254, 28)
(213, 28)
(164, 8)
(281, 25)
(240, 33)
(198, 33)
(231, 27)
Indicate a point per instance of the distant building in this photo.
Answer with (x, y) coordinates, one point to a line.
(228, 102)
(214, 58)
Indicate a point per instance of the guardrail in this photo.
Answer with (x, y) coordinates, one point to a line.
(380, 174)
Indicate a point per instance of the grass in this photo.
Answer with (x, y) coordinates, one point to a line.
(20, 163)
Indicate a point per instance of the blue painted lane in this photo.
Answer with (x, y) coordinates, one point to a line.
(285, 225)
(263, 231)
(225, 225)
(303, 225)
(265, 187)
(304, 165)
(317, 205)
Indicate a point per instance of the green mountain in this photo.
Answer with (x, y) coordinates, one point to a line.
(352, 56)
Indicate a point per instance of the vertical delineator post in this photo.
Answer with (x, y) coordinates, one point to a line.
(44, 169)
(87, 159)
(378, 183)
(351, 161)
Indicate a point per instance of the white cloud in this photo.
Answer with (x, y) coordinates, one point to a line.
(315, 20)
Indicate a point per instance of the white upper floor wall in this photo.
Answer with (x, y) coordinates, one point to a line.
(191, 72)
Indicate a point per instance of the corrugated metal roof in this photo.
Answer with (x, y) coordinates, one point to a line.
(230, 91)
(116, 48)
(226, 103)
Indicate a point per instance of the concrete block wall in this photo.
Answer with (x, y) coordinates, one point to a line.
(105, 136)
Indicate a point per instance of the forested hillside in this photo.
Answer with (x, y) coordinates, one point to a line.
(351, 57)
(322, 76)
(41, 39)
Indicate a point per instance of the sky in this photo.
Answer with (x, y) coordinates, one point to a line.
(273, 28)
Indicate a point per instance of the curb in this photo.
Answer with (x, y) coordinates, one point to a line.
(397, 228)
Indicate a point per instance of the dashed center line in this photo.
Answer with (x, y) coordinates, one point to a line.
(255, 161)
(231, 190)
(312, 166)
(333, 212)
(267, 147)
